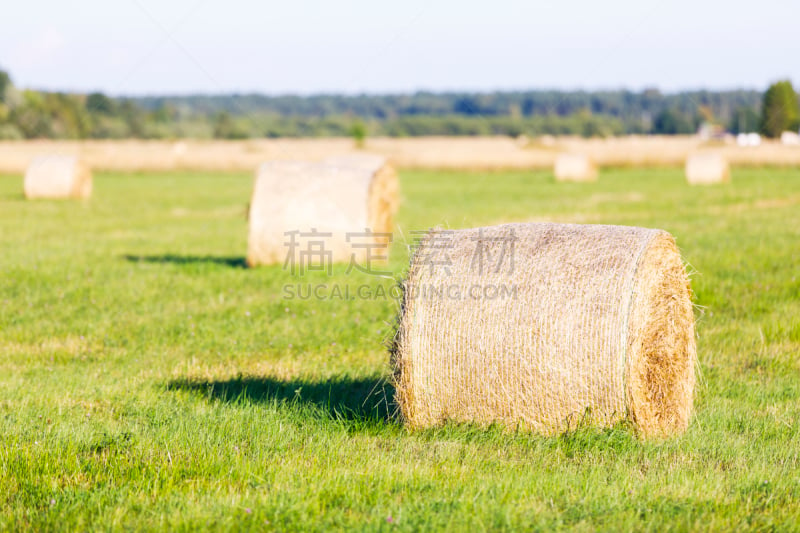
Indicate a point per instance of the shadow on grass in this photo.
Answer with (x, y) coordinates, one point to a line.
(368, 400)
(369, 403)
(233, 262)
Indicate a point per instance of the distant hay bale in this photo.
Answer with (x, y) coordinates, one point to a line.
(546, 327)
(790, 138)
(342, 208)
(179, 149)
(751, 140)
(707, 169)
(574, 167)
(547, 141)
(57, 176)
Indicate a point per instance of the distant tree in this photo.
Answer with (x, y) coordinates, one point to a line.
(223, 125)
(104, 127)
(9, 132)
(466, 105)
(100, 104)
(590, 125)
(780, 111)
(672, 122)
(513, 129)
(132, 115)
(226, 128)
(31, 116)
(359, 133)
(744, 120)
(164, 114)
(68, 114)
(5, 83)
(598, 113)
(528, 106)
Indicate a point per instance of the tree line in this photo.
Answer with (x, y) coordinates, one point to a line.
(27, 114)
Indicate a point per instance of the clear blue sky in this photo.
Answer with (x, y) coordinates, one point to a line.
(213, 46)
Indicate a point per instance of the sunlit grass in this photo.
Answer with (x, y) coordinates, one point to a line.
(148, 380)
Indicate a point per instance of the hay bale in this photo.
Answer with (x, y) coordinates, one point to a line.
(384, 194)
(707, 169)
(553, 326)
(790, 138)
(179, 149)
(574, 167)
(57, 176)
(548, 141)
(748, 140)
(337, 198)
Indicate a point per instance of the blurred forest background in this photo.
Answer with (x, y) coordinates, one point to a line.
(30, 114)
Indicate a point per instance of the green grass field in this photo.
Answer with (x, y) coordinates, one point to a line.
(148, 380)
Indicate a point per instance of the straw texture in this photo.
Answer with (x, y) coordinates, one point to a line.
(574, 167)
(546, 327)
(57, 176)
(707, 169)
(334, 199)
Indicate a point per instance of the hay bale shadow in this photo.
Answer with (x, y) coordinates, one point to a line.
(232, 262)
(343, 398)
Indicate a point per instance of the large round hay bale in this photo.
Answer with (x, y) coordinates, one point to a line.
(384, 193)
(58, 176)
(574, 167)
(707, 169)
(325, 209)
(547, 327)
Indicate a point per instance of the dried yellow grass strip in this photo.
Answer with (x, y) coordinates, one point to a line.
(574, 167)
(57, 176)
(545, 327)
(335, 198)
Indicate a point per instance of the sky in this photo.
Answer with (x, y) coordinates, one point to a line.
(160, 47)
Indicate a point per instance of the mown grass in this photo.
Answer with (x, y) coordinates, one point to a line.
(148, 380)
